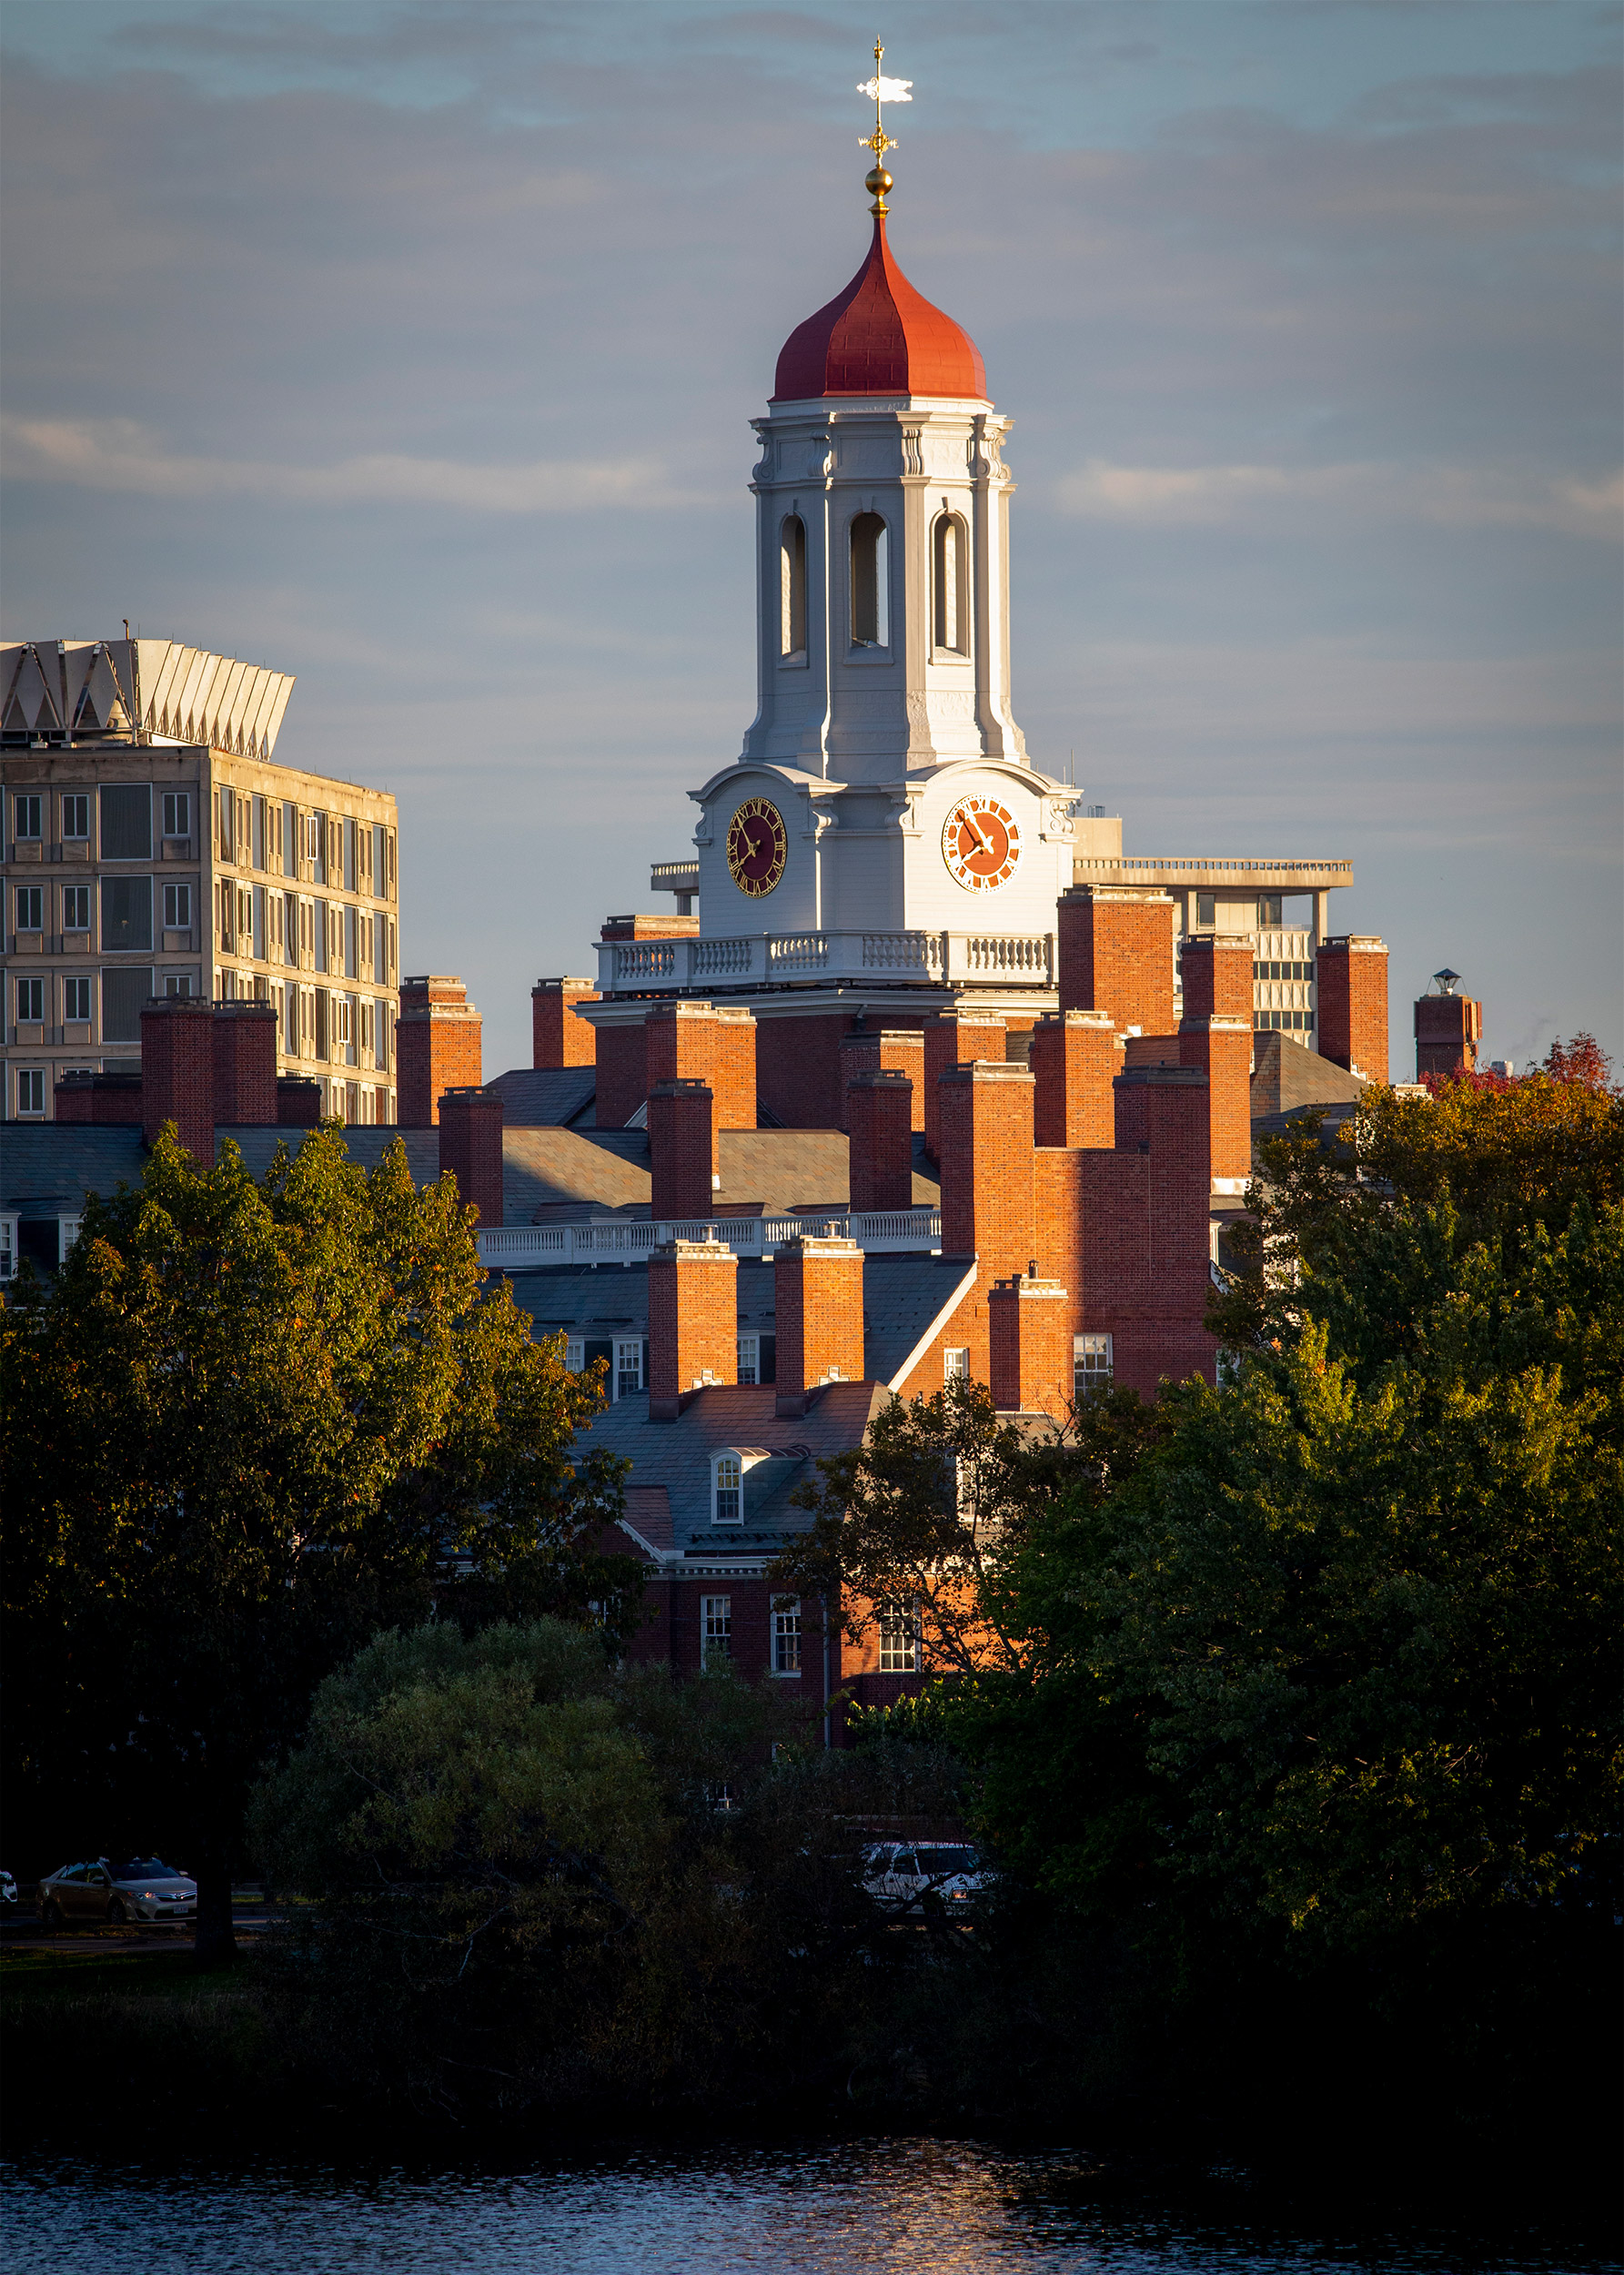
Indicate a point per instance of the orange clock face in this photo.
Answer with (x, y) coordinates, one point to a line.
(981, 845)
(758, 847)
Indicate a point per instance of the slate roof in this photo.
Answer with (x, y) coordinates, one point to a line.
(675, 1457)
(1284, 1074)
(366, 1145)
(56, 1163)
(542, 1098)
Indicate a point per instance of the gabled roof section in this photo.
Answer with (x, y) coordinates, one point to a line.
(543, 1097)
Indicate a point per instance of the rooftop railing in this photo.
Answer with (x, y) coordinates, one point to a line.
(768, 958)
(548, 1247)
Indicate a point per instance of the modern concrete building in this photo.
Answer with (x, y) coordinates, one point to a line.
(152, 846)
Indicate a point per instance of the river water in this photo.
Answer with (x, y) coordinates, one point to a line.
(850, 2208)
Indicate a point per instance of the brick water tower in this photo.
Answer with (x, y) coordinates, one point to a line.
(1449, 1028)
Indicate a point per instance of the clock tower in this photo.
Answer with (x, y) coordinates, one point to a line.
(883, 846)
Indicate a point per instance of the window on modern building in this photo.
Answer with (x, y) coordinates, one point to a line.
(750, 1359)
(31, 1089)
(727, 1489)
(786, 1634)
(792, 590)
(899, 1640)
(178, 983)
(716, 1629)
(76, 1001)
(31, 1003)
(1091, 1366)
(126, 913)
(76, 815)
(871, 582)
(30, 908)
(126, 821)
(629, 1365)
(29, 812)
(261, 860)
(1268, 911)
(1207, 908)
(178, 908)
(955, 1366)
(951, 586)
(76, 908)
(124, 995)
(177, 813)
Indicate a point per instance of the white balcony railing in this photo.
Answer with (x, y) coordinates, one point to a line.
(1020, 959)
(541, 1247)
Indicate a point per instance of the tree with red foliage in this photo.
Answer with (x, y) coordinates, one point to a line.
(1583, 1060)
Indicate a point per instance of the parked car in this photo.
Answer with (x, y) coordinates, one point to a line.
(938, 1877)
(9, 1886)
(130, 1888)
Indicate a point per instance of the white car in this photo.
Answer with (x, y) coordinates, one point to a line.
(938, 1877)
(132, 1888)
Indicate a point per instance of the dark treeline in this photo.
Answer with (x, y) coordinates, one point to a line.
(1289, 1710)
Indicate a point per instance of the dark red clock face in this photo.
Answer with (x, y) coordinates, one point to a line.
(758, 847)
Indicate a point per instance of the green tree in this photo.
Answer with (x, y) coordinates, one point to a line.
(247, 1426)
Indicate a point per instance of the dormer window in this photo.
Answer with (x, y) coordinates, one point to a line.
(950, 582)
(791, 589)
(727, 1506)
(871, 582)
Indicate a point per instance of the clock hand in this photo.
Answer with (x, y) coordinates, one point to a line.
(986, 843)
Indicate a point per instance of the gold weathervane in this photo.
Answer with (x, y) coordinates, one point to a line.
(881, 91)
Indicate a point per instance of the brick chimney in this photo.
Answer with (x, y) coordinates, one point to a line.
(694, 1042)
(880, 1118)
(437, 1046)
(471, 1146)
(177, 1072)
(1075, 1057)
(245, 1048)
(1114, 950)
(1217, 975)
(1351, 970)
(681, 1147)
(1029, 1335)
(558, 1039)
(818, 1298)
(298, 1101)
(884, 1050)
(693, 1323)
(100, 1098)
(622, 1063)
(956, 1039)
(987, 1194)
(1222, 1048)
(1449, 1028)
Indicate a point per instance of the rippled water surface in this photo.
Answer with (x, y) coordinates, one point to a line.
(858, 2208)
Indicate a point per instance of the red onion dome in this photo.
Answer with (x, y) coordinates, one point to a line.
(879, 337)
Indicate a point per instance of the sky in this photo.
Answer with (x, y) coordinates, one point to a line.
(411, 349)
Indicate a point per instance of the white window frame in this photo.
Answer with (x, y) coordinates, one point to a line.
(80, 800)
(899, 1642)
(628, 1365)
(575, 1353)
(1096, 1377)
(726, 1486)
(749, 1358)
(32, 1076)
(178, 898)
(716, 1629)
(32, 898)
(72, 893)
(177, 813)
(784, 1638)
(36, 984)
(956, 1365)
(28, 818)
(80, 980)
(8, 1247)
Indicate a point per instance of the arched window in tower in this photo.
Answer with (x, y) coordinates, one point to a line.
(950, 577)
(871, 582)
(792, 588)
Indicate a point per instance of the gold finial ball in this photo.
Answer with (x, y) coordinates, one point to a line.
(878, 182)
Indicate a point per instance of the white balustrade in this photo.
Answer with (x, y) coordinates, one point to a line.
(932, 958)
(543, 1246)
